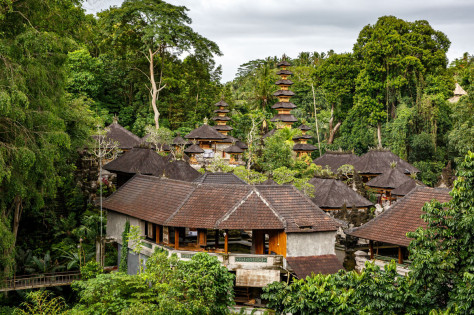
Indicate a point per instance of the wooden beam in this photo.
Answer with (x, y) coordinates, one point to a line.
(216, 238)
(157, 234)
(226, 244)
(400, 255)
(176, 238)
(371, 247)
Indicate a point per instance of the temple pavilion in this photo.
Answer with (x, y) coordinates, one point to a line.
(302, 147)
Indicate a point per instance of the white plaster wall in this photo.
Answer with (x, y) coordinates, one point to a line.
(116, 224)
(310, 244)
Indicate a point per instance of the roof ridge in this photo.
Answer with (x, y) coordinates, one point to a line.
(233, 209)
(265, 201)
(194, 187)
(124, 129)
(330, 187)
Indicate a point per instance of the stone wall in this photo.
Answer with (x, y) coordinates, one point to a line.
(310, 244)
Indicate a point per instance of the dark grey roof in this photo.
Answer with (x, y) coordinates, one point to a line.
(223, 127)
(126, 139)
(180, 170)
(221, 111)
(219, 178)
(405, 188)
(138, 160)
(284, 118)
(284, 105)
(333, 193)
(284, 82)
(221, 118)
(334, 160)
(269, 134)
(302, 137)
(284, 93)
(233, 149)
(205, 132)
(304, 127)
(391, 178)
(143, 141)
(304, 147)
(283, 63)
(285, 72)
(179, 141)
(194, 149)
(241, 145)
(378, 161)
(221, 103)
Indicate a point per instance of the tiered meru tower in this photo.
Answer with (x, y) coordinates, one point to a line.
(302, 147)
(221, 119)
(284, 106)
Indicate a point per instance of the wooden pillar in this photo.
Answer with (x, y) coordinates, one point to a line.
(157, 234)
(216, 238)
(176, 238)
(226, 244)
(371, 248)
(400, 255)
(259, 241)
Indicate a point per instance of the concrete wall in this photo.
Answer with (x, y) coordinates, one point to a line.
(116, 224)
(310, 244)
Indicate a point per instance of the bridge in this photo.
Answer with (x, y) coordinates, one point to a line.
(39, 281)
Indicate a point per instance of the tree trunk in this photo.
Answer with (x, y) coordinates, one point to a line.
(154, 90)
(333, 131)
(17, 204)
(379, 134)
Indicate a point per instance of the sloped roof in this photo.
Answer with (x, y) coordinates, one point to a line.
(283, 63)
(233, 149)
(143, 141)
(404, 216)
(180, 170)
(284, 82)
(219, 178)
(284, 118)
(334, 194)
(205, 132)
(286, 72)
(269, 134)
(378, 161)
(221, 118)
(125, 138)
(334, 159)
(194, 149)
(221, 103)
(178, 140)
(284, 105)
(304, 127)
(181, 204)
(304, 147)
(284, 93)
(306, 265)
(269, 182)
(459, 91)
(138, 160)
(241, 145)
(223, 127)
(406, 187)
(391, 178)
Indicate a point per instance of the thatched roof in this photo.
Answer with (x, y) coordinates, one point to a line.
(405, 188)
(144, 141)
(391, 178)
(180, 170)
(179, 141)
(225, 111)
(284, 118)
(284, 72)
(284, 82)
(334, 159)
(379, 161)
(222, 127)
(241, 145)
(233, 149)
(283, 63)
(334, 194)
(284, 105)
(126, 139)
(221, 118)
(304, 127)
(221, 103)
(269, 134)
(138, 160)
(304, 147)
(307, 137)
(194, 149)
(205, 132)
(284, 93)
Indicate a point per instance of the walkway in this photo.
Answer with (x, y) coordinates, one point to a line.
(39, 281)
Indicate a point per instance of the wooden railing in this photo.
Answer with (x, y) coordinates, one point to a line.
(39, 280)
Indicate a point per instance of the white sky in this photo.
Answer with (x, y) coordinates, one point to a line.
(246, 30)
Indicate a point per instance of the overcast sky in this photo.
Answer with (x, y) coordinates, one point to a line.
(253, 29)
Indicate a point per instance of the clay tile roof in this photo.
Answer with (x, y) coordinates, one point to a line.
(304, 127)
(179, 141)
(223, 127)
(125, 138)
(405, 188)
(283, 63)
(233, 149)
(297, 209)
(284, 93)
(140, 196)
(194, 149)
(219, 178)
(378, 161)
(304, 147)
(207, 204)
(391, 178)
(284, 82)
(404, 216)
(241, 145)
(252, 213)
(180, 170)
(284, 105)
(335, 159)
(138, 160)
(220, 118)
(285, 72)
(284, 118)
(334, 194)
(205, 132)
(306, 265)
(221, 103)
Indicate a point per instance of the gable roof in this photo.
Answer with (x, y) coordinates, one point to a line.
(378, 161)
(125, 138)
(334, 194)
(306, 265)
(212, 206)
(404, 216)
(219, 178)
(391, 178)
(205, 132)
(334, 159)
(138, 160)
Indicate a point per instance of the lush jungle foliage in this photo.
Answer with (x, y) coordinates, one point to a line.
(440, 281)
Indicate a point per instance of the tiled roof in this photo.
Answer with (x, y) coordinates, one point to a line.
(253, 213)
(138, 160)
(378, 161)
(141, 195)
(391, 178)
(125, 138)
(219, 178)
(212, 206)
(205, 132)
(404, 216)
(306, 265)
(334, 194)
(334, 160)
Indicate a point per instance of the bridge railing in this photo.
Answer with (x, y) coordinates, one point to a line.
(39, 280)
